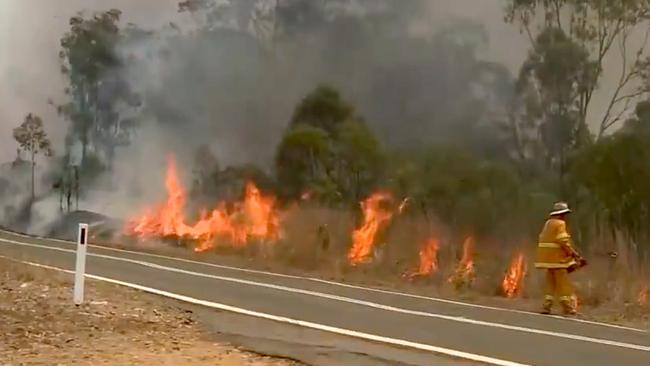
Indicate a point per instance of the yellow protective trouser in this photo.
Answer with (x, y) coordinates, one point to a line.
(558, 287)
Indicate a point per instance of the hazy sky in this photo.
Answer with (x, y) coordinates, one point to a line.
(30, 31)
(29, 64)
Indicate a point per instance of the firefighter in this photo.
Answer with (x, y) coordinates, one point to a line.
(556, 255)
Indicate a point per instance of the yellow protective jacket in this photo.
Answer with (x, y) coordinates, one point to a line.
(554, 249)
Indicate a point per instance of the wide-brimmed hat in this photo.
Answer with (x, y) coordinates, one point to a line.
(560, 208)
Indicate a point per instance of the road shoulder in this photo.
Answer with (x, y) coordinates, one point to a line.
(116, 326)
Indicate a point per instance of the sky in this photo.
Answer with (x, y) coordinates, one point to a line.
(29, 64)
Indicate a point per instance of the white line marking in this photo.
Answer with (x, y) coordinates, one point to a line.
(301, 323)
(333, 283)
(356, 301)
(339, 284)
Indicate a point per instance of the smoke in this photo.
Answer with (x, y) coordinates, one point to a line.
(30, 32)
(234, 87)
(418, 71)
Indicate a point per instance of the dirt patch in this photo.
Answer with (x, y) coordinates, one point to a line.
(116, 326)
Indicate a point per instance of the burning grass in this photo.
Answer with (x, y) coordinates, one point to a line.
(375, 218)
(513, 282)
(233, 223)
(465, 272)
(390, 241)
(428, 260)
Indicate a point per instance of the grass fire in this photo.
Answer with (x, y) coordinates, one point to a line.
(376, 217)
(444, 156)
(231, 223)
(514, 279)
(465, 273)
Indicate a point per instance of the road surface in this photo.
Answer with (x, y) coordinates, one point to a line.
(404, 328)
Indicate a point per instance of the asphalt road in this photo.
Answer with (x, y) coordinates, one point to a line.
(403, 328)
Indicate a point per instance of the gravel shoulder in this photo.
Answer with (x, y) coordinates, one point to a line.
(116, 326)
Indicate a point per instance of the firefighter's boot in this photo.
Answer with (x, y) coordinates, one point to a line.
(568, 305)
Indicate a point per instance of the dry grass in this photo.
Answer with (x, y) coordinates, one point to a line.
(116, 326)
(606, 286)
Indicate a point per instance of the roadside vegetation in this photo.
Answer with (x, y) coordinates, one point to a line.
(471, 156)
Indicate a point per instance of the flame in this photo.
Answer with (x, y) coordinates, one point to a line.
(465, 271)
(643, 296)
(428, 259)
(513, 281)
(264, 221)
(375, 219)
(168, 218)
(253, 219)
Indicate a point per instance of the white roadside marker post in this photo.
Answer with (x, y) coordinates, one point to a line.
(80, 269)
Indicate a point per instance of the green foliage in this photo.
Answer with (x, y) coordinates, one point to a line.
(615, 174)
(302, 159)
(91, 63)
(88, 49)
(210, 182)
(553, 80)
(328, 150)
(323, 109)
(470, 194)
(360, 158)
(32, 138)
(596, 28)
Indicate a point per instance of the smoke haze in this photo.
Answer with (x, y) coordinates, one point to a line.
(29, 64)
(426, 71)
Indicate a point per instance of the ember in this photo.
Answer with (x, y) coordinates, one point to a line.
(643, 296)
(253, 219)
(513, 282)
(375, 219)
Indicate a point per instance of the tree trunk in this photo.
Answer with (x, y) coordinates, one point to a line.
(69, 192)
(76, 187)
(61, 188)
(33, 171)
(84, 147)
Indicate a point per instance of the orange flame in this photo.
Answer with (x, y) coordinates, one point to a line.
(428, 259)
(375, 219)
(168, 218)
(254, 218)
(465, 270)
(513, 281)
(643, 295)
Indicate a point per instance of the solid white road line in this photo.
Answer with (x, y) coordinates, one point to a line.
(353, 301)
(339, 284)
(301, 323)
